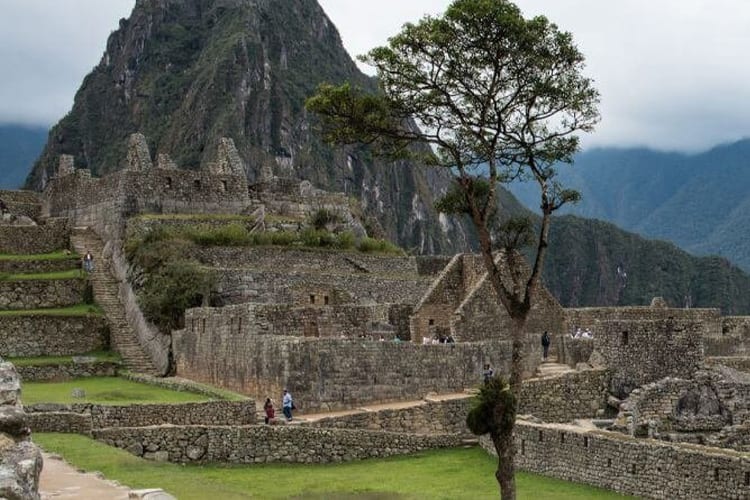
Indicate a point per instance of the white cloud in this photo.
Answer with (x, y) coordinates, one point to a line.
(671, 72)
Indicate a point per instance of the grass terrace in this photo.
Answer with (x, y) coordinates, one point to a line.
(104, 390)
(57, 275)
(454, 474)
(100, 356)
(60, 255)
(72, 311)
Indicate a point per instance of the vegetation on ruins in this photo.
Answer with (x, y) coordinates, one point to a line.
(72, 311)
(442, 474)
(496, 98)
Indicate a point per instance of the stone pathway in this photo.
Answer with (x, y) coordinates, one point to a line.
(61, 480)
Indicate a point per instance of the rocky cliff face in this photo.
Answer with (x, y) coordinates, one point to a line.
(187, 72)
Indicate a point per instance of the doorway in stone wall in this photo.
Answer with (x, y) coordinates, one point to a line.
(311, 329)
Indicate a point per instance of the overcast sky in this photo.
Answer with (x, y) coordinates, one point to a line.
(672, 73)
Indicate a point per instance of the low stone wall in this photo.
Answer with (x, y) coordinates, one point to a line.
(48, 237)
(735, 338)
(39, 266)
(57, 418)
(330, 374)
(178, 384)
(24, 336)
(67, 371)
(739, 363)
(267, 444)
(590, 317)
(40, 294)
(567, 397)
(428, 417)
(642, 467)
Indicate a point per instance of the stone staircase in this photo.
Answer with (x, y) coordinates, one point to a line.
(122, 337)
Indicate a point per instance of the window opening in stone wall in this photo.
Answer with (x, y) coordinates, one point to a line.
(432, 322)
(192, 324)
(747, 478)
(197, 184)
(169, 183)
(716, 474)
(325, 299)
(609, 462)
(523, 447)
(625, 338)
(562, 438)
(239, 325)
(223, 186)
(541, 437)
(312, 299)
(585, 441)
(203, 325)
(632, 469)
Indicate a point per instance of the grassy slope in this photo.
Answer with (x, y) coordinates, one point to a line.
(61, 255)
(57, 275)
(104, 390)
(448, 474)
(101, 356)
(73, 311)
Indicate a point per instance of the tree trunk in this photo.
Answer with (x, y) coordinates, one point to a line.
(506, 468)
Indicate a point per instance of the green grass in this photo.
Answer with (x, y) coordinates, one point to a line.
(57, 275)
(446, 474)
(102, 356)
(61, 255)
(104, 390)
(199, 217)
(72, 311)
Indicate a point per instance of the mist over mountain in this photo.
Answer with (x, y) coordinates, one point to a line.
(700, 202)
(19, 148)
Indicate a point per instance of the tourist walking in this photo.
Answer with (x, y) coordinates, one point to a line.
(287, 405)
(88, 262)
(487, 373)
(545, 345)
(270, 412)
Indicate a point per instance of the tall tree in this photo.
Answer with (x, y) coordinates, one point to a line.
(493, 97)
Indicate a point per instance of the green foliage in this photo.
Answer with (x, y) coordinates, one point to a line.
(61, 255)
(56, 275)
(322, 218)
(171, 289)
(494, 409)
(441, 475)
(371, 245)
(104, 390)
(73, 311)
(227, 235)
(101, 356)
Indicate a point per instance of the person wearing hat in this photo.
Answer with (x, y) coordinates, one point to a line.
(287, 405)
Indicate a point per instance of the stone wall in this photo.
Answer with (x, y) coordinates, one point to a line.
(67, 371)
(574, 351)
(646, 468)
(283, 319)
(739, 363)
(24, 336)
(734, 339)
(639, 352)
(331, 373)
(39, 266)
(40, 294)
(567, 397)
(52, 235)
(267, 444)
(236, 286)
(26, 203)
(55, 418)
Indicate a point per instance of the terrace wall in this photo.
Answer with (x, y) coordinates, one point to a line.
(29, 336)
(40, 294)
(52, 235)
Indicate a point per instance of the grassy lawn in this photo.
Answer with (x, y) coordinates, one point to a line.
(61, 255)
(58, 275)
(58, 360)
(104, 390)
(445, 474)
(77, 310)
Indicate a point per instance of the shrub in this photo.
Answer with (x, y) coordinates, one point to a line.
(284, 238)
(371, 245)
(229, 235)
(323, 217)
(346, 241)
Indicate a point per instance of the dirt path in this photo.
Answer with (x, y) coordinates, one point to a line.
(61, 480)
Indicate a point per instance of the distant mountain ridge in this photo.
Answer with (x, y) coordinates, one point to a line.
(700, 202)
(19, 147)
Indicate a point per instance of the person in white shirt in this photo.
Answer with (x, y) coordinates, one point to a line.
(287, 405)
